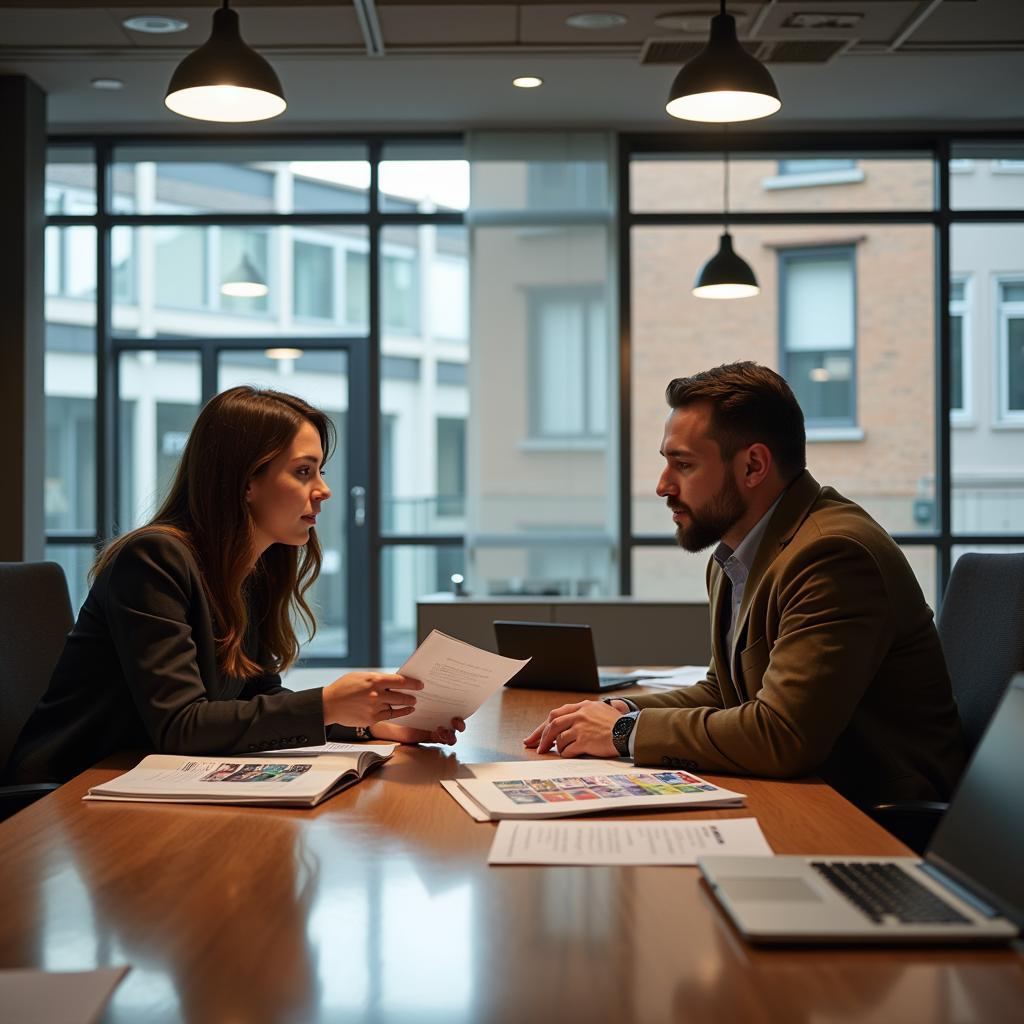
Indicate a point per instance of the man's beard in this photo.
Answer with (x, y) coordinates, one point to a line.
(708, 525)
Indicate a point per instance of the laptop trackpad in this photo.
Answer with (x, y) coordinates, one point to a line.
(769, 890)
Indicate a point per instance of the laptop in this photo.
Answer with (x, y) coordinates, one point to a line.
(968, 888)
(562, 657)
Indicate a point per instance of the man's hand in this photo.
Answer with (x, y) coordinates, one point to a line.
(577, 729)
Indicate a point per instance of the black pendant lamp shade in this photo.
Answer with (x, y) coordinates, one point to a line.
(726, 275)
(225, 80)
(723, 82)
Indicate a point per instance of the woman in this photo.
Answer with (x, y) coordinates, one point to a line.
(179, 645)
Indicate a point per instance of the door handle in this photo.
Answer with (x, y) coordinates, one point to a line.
(358, 495)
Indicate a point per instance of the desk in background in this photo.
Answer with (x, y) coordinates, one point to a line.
(379, 905)
(627, 630)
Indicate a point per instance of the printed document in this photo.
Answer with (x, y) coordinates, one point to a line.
(625, 842)
(672, 678)
(556, 788)
(457, 678)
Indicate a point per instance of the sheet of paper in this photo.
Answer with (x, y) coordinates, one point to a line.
(47, 997)
(470, 806)
(457, 678)
(625, 842)
(333, 747)
(670, 679)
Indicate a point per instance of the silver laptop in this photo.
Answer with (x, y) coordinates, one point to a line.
(561, 657)
(968, 888)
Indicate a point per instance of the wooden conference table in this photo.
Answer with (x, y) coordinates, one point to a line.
(379, 905)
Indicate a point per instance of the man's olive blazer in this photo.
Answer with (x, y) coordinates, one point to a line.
(838, 668)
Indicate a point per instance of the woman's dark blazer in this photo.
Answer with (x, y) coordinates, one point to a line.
(139, 670)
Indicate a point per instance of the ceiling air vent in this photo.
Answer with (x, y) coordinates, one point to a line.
(800, 51)
(678, 51)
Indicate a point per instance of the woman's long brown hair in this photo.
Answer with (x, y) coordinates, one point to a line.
(238, 433)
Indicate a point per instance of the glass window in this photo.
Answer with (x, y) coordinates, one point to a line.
(70, 258)
(76, 561)
(959, 335)
(1011, 346)
(423, 177)
(996, 182)
(541, 173)
(401, 249)
(70, 180)
(239, 178)
(987, 454)
(357, 289)
(409, 572)
(765, 183)
(69, 488)
(208, 280)
(815, 166)
(885, 458)
(818, 328)
(451, 467)
(424, 410)
(569, 350)
(160, 395)
(244, 276)
(181, 261)
(313, 291)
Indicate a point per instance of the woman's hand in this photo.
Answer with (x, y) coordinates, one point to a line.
(404, 734)
(364, 698)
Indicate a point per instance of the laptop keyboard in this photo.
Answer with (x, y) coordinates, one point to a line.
(886, 890)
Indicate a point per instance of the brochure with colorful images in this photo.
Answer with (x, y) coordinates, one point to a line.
(288, 782)
(532, 789)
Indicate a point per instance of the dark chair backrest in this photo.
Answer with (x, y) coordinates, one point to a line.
(981, 627)
(35, 617)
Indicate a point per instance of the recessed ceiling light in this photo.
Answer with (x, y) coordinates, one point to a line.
(596, 20)
(693, 21)
(527, 82)
(108, 84)
(156, 24)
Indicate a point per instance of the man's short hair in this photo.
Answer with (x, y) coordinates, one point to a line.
(749, 404)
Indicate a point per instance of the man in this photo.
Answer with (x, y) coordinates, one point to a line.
(825, 655)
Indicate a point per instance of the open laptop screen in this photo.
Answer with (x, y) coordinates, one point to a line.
(980, 840)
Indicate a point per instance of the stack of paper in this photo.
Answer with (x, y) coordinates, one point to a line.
(555, 788)
(672, 678)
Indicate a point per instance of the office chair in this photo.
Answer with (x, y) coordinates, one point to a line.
(981, 627)
(35, 617)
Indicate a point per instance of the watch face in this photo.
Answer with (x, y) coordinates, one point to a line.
(621, 731)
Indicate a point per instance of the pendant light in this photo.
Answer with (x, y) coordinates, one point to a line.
(244, 282)
(726, 275)
(723, 82)
(225, 80)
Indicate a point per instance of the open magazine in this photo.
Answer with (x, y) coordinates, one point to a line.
(294, 781)
(559, 788)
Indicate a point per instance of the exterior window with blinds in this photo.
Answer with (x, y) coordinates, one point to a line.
(959, 336)
(569, 372)
(817, 303)
(1011, 345)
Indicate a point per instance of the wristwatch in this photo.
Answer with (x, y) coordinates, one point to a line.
(621, 731)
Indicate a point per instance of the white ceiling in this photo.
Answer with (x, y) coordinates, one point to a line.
(920, 63)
